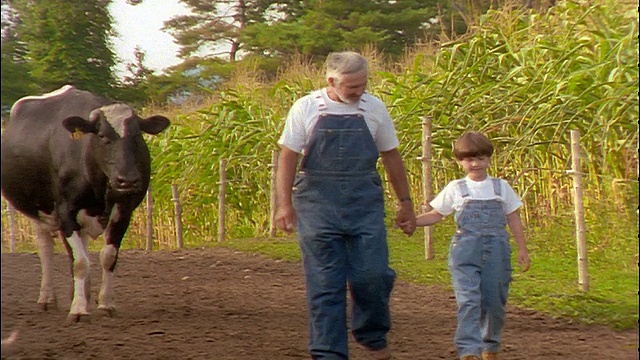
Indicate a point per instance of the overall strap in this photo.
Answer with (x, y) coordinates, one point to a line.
(462, 186)
(322, 104)
(497, 189)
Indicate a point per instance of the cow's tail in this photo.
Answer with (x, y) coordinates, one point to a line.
(11, 339)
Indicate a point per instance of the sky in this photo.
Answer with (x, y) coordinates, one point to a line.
(141, 26)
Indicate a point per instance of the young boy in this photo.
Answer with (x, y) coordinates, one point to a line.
(480, 253)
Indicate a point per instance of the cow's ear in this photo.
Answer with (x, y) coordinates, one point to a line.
(154, 125)
(75, 123)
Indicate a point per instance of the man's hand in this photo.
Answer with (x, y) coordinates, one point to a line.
(406, 217)
(286, 218)
(523, 259)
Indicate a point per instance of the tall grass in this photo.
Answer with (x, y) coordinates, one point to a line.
(524, 78)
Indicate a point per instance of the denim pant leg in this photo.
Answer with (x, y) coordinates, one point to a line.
(495, 288)
(324, 260)
(465, 267)
(371, 282)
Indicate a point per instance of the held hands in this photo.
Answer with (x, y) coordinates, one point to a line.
(406, 218)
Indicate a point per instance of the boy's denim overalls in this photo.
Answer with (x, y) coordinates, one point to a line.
(338, 198)
(480, 266)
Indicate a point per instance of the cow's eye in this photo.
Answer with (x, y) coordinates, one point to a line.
(103, 138)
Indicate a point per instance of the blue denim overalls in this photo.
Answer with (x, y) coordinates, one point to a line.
(480, 266)
(338, 199)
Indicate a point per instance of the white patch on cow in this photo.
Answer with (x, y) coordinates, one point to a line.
(90, 224)
(116, 115)
(108, 256)
(44, 239)
(81, 266)
(10, 339)
(60, 91)
(115, 214)
(48, 221)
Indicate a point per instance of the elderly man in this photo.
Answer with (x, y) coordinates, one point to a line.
(336, 202)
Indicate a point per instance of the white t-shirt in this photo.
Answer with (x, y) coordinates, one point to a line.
(450, 199)
(304, 114)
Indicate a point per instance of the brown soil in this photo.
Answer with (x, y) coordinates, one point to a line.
(221, 304)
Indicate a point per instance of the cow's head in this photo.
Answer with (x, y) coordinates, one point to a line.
(117, 146)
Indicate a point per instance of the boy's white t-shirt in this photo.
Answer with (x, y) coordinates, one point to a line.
(304, 115)
(450, 199)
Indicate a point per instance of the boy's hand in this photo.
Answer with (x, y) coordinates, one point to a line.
(405, 218)
(406, 227)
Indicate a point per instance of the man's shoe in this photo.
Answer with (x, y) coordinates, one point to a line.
(489, 355)
(381, 354)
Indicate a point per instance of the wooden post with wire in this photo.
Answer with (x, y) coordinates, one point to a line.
(583, 274)
(178, 215)
(221, 196)
(149, 218)
(274, 170)
(427, 182)
(13, 228)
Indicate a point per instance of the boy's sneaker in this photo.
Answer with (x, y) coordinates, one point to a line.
(471, 357)
(489, 355)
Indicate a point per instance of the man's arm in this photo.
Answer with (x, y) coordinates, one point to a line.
(394, 167)
(285, 215)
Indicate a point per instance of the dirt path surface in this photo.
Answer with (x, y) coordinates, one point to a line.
(221, 304)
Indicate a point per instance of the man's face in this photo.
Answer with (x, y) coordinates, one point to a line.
(350, 88)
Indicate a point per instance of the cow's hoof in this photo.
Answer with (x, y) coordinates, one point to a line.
(46, 306)
(106, 311)
(78, 318)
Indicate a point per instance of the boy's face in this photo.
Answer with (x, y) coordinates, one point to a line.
(475, 167)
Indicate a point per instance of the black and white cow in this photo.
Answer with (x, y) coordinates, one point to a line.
(77, 164)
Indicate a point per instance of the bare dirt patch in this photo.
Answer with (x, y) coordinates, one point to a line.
(222, 304)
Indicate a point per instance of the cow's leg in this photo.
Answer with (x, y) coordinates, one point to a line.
(81, 265)
(114, 233)
(47, 298)
(108, 259)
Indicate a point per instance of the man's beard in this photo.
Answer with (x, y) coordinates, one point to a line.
(346, 100)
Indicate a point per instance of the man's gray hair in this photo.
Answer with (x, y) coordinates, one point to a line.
(343, 63)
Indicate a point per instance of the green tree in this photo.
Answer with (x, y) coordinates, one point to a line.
(214, 26)
(68, 42)
(321, 26)
(134, 86)
(16, 78)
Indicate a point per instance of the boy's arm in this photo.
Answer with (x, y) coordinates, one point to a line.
(429, 218)
(515, 225)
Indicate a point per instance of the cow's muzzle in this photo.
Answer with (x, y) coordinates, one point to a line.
(124, 185)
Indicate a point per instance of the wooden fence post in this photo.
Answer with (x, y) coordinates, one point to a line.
(178, 210)
(13, 228)
(149, 218)
(274, 171)
(427, 190)
(583, 274)
(223, 187)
